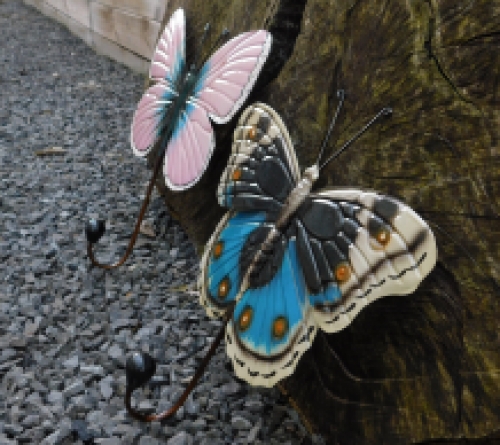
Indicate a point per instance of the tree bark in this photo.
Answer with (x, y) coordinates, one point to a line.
(411, 368)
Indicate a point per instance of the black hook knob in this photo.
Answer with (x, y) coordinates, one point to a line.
(94, 230)
(139, 369)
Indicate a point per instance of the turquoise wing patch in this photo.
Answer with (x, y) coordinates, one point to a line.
(272, 325)
(220, 277)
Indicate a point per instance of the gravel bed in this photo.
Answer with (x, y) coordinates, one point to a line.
(66, 328)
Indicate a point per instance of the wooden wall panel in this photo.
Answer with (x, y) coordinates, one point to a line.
(104, 46)
(136, 33)
(150, 9)
(75, 26)
(78, 10)
(125, 30)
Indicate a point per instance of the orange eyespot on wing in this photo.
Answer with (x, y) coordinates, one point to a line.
(218, 249)
(280, 327)
(342, 272)
(383, 237)
(252, 133)
(224, 287)
(245, 319)
(236, 175)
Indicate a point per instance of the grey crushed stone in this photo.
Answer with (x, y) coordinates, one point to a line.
(65, 328)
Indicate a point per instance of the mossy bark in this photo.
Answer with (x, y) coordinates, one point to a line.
(411, 368)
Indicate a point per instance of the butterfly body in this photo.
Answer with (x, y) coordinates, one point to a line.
(293, 260)
(180, 105)
(175, 112)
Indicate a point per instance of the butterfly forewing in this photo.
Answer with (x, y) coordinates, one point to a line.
(167, 67)
(389, 253)
(261, 170)
(168, 62)
(230, 73)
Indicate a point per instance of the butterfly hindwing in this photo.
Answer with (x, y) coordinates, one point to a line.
(272, 325)
(189, 149)
(147, 121)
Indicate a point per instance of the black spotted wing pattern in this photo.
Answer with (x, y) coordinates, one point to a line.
(364, 245)
(261, 171)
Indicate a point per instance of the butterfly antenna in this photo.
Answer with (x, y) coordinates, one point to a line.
(206, 30)
(223, 36)
(140, 367)
(95, 229)
(341, 96)
(383, 112)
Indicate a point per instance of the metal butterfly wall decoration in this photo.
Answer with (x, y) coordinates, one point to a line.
(176, 109)
(285, 261)
(174, 113)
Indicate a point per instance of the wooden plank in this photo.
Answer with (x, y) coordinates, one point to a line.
(138, 34)
(33, 3)
(59, 10)
(78, 10)
(151, 9)
(104, 46)
(81, 31)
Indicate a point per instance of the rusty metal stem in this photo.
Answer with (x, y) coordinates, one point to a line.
(133, 239)
(170, 412)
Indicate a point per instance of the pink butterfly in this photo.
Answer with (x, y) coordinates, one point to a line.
(175, 111)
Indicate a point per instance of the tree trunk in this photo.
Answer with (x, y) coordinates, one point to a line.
(412, 368)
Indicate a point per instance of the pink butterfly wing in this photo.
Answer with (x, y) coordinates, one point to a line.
(170, 53)
(147, 117)
(166, 66)
(225, 82)
(189, 149)
(229, 75)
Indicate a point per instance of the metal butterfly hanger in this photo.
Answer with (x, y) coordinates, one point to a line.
(173, 114)
(284, 261)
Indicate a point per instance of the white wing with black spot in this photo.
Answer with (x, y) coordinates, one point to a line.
(375, 246)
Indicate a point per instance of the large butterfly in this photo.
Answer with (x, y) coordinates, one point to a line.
(292, 261)
(175, 111)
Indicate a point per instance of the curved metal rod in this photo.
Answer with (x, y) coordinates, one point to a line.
(133, 239)
(180, 401)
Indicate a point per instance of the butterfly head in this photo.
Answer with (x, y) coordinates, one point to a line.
(312, 173)
(222, 37)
